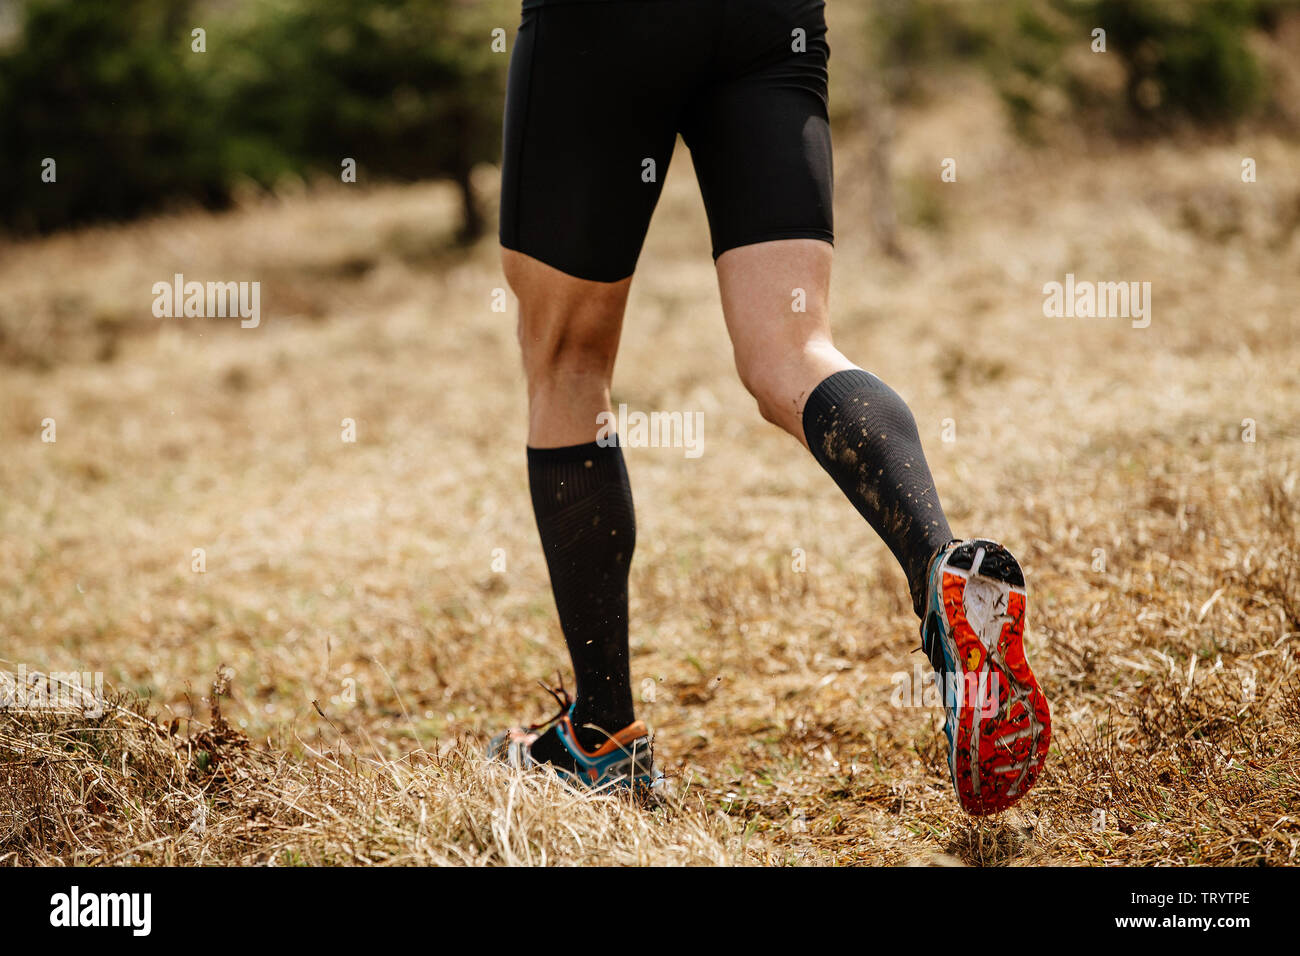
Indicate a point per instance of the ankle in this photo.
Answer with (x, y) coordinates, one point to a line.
(594, 724)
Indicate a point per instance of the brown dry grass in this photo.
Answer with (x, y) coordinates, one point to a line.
(336, 568)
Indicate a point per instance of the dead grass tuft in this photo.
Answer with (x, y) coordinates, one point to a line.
(125, 787)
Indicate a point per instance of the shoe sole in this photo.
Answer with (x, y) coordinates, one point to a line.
(996, 756)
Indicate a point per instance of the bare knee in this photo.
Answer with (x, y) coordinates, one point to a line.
(567, 340)
(554, 354)
(781, 375)
(763, 385)
(568, 327)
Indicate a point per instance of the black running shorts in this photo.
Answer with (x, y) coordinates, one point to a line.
(598, 91)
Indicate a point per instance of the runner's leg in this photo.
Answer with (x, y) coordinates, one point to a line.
(760, 141)
(592, 101)
(856, 426)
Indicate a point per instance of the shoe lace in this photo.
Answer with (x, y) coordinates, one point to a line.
(561, 697)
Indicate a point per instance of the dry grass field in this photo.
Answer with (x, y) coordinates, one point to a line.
(363, 645)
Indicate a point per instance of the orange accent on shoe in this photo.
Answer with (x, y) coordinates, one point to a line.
(618, 741)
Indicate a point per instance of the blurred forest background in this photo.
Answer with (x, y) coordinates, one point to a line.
(139, 121)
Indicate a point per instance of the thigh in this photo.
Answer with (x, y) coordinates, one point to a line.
(592, 103)
(759, 134)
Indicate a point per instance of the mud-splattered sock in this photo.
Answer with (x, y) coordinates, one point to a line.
(863, 434)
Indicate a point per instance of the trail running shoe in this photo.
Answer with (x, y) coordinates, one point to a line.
(626, 759)
(998, 724)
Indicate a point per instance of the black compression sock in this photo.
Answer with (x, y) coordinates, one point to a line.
(863, 434)
(583, 504)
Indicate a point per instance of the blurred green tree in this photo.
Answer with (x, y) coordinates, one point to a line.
(136, 120)
(100, 88)
(1181, 60)
(410, 89)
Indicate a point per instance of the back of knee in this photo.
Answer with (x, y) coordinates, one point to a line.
(571, 346)
(762, 385)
